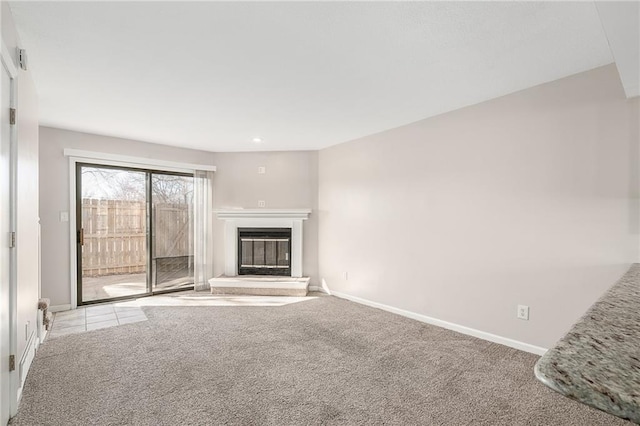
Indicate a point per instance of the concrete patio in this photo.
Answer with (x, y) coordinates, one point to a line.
(122, 285)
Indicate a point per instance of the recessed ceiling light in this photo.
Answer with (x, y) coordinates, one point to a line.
(256, 140)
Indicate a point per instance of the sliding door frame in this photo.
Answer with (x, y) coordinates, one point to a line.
(79, 227)
(103, 158)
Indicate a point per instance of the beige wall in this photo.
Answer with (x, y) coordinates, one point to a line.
(27, 193)
(529, 199)
(290, 181)
(236, 183)
(54, 194)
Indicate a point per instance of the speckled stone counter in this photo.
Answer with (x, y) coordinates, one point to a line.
(598, 361)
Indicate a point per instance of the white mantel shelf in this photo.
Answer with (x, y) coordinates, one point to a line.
(263, 213)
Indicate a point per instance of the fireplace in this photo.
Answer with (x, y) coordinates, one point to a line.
(264, 251)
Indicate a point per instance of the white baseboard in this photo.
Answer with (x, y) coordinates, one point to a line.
(58, 308)
(317, 288)
(25, 362)
(448, 325)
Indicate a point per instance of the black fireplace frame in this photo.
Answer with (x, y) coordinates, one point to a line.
(264, 233)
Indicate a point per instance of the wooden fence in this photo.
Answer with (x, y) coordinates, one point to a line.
(115, 235)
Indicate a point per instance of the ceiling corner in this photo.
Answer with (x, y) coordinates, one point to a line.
(621, 24)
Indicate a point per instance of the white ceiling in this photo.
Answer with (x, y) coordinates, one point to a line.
(299, 75)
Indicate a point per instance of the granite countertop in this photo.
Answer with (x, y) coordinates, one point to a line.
(598, 361)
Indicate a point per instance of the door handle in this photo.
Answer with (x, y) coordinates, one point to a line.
(81, 236)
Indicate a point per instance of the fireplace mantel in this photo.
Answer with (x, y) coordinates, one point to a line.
(263, 213)
(261, 218)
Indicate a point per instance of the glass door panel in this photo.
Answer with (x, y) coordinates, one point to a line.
(172, 231)
(112, 233)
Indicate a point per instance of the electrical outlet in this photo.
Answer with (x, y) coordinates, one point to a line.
(261, 203)
(64, 216)
(523, 312)
(262, 170)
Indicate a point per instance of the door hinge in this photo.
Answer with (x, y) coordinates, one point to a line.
(12, 362)
(12, 116)
(12, 239)
(22, 59)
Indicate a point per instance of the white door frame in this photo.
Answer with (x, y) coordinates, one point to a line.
(9, 65)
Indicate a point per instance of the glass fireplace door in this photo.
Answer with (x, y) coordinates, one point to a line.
(264, 251)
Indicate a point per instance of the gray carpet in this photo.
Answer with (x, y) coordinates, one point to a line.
(323, 361)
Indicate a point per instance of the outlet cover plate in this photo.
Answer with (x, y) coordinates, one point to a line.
(523, 312)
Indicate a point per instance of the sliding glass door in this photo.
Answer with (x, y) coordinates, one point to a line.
(172, 231)
(134, 232)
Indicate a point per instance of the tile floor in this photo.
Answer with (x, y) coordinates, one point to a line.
(119, 313)
(93, 318)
